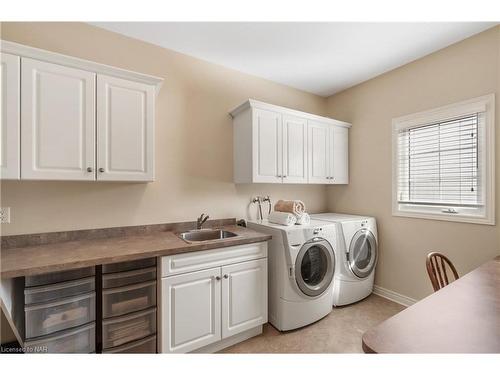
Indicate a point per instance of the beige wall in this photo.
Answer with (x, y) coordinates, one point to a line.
(465, 70)
(193, 140)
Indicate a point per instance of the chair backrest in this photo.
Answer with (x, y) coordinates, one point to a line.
(437, 265)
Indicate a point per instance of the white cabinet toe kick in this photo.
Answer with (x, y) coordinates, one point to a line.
(213, 299)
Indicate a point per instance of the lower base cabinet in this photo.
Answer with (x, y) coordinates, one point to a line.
(244, 296)
(219, 298)
(191, 310)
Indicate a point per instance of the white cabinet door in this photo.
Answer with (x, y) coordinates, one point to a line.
(267, 146)
(319, 152)
(244, 296)
(57, 122)
(339, 155)
(294, 150)
(190, 310)
(10, 111)
(125, 130)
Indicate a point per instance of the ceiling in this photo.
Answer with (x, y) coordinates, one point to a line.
(321, 58)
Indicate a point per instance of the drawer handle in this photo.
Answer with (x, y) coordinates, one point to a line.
(217, 278)
(226, 276)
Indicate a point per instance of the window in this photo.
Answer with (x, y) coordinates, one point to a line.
(443, 163)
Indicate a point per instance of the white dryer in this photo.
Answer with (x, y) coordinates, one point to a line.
(357, 255)
(301, 267)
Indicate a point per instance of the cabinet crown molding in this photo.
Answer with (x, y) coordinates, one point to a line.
(75, 62)
(252, 103)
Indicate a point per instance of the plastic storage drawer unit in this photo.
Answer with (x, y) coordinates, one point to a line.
(127, 299)
(147, 345)
(77, 340)
(124, 329)
(57, 277)
(45, 293)
(115, 280)
(46, 318)
(129, 265)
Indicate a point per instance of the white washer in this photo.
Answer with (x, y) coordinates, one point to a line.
(301, 267)
(356, 256)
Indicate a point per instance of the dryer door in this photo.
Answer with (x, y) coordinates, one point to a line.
(362, 255)
(314, 267)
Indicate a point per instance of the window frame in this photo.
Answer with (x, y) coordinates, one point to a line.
(486, 145)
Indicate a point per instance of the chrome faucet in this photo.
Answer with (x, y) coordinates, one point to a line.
(201, 220)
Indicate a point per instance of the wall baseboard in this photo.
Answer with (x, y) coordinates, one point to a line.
(393, 296)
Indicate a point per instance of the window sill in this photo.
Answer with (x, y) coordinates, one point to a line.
(461, 218)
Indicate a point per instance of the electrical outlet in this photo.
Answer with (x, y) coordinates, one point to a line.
(4, 215)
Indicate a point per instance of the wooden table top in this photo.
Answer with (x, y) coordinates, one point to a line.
(33, 260)
(463, 317)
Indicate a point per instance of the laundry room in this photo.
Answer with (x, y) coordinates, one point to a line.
(258, 186)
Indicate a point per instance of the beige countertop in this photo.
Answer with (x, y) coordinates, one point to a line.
(38, 259)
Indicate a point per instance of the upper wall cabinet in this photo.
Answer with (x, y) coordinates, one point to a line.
(339, 158)
(268, 147)
(58, 122)
(125, 130)
(279, 145)
(328, 153)
(79, 120)
(9, 128)
(294, 149)
(319, 152)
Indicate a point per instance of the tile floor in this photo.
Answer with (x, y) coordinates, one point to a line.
(338, 332)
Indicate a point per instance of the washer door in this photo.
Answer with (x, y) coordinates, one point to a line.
(314, 267)
(362, 255)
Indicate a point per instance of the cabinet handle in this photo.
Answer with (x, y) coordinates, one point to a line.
(226, 276)
(284, 175)
(101, 170)
(279, 176)
(217, 278)
(89, 169)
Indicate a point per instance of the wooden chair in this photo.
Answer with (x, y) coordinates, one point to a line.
(437, 264)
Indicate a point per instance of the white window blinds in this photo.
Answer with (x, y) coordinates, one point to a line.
(438, 163)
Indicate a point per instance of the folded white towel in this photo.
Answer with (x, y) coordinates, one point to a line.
(282, 218)
(303, 219)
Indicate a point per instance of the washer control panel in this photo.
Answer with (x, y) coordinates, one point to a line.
(299, 236)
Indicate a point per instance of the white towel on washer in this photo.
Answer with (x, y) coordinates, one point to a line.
(303, 219)
(282, 218)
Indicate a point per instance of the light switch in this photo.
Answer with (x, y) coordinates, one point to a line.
(4, 215)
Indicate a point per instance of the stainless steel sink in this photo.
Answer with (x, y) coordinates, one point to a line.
(206, 235)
